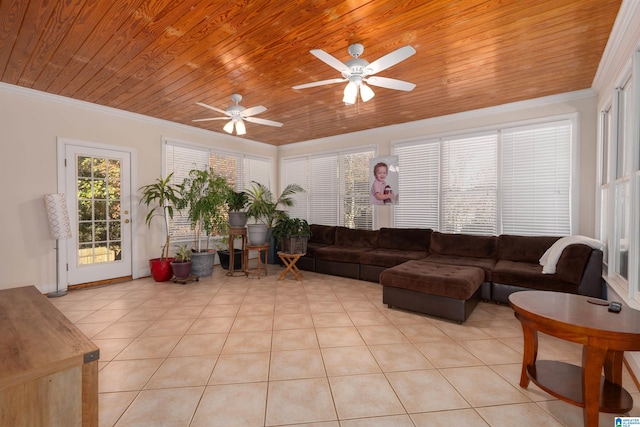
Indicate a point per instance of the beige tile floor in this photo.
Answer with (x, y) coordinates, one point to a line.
(324, 352)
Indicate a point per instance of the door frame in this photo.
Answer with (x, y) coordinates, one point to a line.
(63, 244)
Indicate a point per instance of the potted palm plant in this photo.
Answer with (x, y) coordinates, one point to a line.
(181, 263)
(162, 197)
(265, 211)
(204, 197)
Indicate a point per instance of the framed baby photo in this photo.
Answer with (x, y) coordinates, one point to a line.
(383, 180)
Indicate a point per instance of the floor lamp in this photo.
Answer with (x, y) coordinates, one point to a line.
(60, 228)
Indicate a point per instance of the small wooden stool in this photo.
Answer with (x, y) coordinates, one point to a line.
(261, 266)
(233, 232)
(289, 261)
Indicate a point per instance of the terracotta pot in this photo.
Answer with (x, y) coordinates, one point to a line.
(161, 270)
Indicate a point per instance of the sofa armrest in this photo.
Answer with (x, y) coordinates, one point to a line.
(591, 283)
(573, 262)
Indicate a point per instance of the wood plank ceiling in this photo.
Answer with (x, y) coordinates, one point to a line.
(160, 57)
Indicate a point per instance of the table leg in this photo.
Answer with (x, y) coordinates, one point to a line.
(530, 353)
(613, 366)
(592, 361)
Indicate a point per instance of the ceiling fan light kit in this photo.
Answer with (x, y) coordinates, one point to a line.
(237, 114)
(359, 74)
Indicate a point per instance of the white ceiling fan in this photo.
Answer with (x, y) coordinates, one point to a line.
(359, 72)
(238, 114)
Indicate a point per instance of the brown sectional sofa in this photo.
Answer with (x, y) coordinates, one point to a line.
(509, 263)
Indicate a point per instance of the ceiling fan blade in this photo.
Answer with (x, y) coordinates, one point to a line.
(390, 59)
(210, 118)
(390, 83)
(320, 83)
(253, 110)
(212, 108)
(330, 60)
(263, 121)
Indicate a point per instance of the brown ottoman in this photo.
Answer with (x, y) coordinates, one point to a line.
(448, 291)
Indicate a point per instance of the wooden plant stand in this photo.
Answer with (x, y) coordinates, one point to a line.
(233, 232)
(262, 249)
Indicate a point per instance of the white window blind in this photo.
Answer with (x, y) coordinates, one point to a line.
(295, 172)
(354, 189)
(257, 170)
(238, 169)
(469, 185)
(536, 179)
(458, 185)
(418, 180)
(179, 161)
(337, 188)
(323, 190)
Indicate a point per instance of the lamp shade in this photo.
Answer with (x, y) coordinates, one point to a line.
(366, 92)
(240, 128)
(350, 93)
(58, 216)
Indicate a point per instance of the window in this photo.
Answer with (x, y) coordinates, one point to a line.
(337, 188)
(536, 179)
(469, 185)
(622, 183)
(238, 169)
(605, 138)
(514, 180)
(619, 196)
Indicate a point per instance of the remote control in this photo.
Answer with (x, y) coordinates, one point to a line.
(615, 307)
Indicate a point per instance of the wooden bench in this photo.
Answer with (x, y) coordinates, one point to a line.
(442, 290)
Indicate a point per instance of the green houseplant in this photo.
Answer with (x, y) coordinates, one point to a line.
(162, 197)
(236, 202)
(204, 197)
(292, 235)
(181, 264)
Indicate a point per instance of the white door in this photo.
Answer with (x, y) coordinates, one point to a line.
(98, 191)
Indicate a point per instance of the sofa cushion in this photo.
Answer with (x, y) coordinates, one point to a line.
(529, 275)
(358, 238)
(450, 281)
(486, 264)
(390, 257)
(340, 253)
(524, 248)
(312, 247)
(465, 245)
(323, 234)
(407, 239)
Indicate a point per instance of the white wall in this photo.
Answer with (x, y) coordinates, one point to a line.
(583, 103)
(30, 123)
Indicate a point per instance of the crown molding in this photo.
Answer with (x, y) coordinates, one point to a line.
(624, 38)
(88, 106)
(465, 115)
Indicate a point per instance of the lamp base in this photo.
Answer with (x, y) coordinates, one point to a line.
(56, 294)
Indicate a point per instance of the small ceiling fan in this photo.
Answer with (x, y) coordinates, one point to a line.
(238, 114)
(359, 72)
